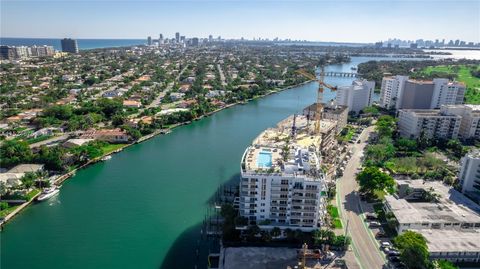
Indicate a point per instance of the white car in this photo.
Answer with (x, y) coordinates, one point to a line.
(385, 245)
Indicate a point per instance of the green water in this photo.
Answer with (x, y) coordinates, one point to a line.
(144, 208)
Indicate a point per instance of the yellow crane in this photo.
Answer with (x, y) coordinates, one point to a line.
(321, 86)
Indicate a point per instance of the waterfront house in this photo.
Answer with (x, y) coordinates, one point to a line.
(107, 135)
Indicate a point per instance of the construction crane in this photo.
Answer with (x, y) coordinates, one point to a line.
(321, 86)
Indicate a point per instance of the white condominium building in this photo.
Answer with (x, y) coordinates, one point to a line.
(391, 91)
(469, 175)
(356, 96)
(282, 183)
(399, 92)
(447, 92)
(470, 125)
(430, 123)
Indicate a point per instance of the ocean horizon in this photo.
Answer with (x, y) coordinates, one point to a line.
(83, 44)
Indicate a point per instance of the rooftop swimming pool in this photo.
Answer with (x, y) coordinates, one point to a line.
(264, 159)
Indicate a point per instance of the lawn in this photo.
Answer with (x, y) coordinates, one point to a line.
(337, 224)
(111, 148)
(333, 211)
(5, 212)
(32, 194)
(463, 74)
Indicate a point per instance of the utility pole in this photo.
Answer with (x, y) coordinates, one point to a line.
(346, 233)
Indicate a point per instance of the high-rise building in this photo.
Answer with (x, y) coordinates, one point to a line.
(149, 41)
(282, 183)
(177, 37)
(428, 123)
(447, 92)
(195, 41)
(69, 45)
(401, 93)
(356, 96)
(210, 38)
(470, 124)
(7, 53)
(160, 39)
(469, 175)
(14, 52)
(391, 91)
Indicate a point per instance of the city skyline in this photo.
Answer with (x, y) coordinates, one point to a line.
(342, 21)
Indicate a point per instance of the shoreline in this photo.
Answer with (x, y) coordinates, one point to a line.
(62, 178)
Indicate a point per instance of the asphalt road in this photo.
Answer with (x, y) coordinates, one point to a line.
(367, 251)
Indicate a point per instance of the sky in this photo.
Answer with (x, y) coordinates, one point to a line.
(314, 20)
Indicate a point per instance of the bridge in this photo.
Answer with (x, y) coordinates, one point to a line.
(341, 74)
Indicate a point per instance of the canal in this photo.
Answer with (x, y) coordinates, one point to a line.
(144, 207)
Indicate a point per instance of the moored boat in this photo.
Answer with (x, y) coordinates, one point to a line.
(48, 193)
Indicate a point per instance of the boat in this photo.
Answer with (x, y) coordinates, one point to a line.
(353, 68)
(48, 193)
(106, 158)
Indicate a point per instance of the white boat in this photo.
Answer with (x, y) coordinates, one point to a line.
(48, 193)
(106, 158)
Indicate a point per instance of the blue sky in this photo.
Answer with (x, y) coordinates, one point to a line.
(316, 20)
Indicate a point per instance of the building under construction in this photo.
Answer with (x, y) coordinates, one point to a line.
(283, 183)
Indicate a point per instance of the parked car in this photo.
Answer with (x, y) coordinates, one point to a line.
(381, 235)
(374, 224)
(386, 244)
(394, 259)
(371, 216)
(393, 253)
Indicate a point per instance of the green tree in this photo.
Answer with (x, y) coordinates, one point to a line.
(406, 145)
(109, 107)
(3, 205)
(413, 250)
(60, 112)
(323, 236)
(52, 158)
(275, 232)
(372, 179)
(118, 119)
(13, 152)
(385, 126)
(442, 264)
(28, 180)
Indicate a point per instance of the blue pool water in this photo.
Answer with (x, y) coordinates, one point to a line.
(264, 159)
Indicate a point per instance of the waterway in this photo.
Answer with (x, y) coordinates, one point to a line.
(144, 207)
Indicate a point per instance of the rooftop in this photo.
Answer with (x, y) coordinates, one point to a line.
(276, 151)
(24, 168)
(474, 153)
(452, 206)
(452, 240)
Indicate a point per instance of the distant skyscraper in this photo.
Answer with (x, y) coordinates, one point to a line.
(195, 41)
(210, 38)
(69, 45)
(149, 40)
(7, 52)
(177, 37)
